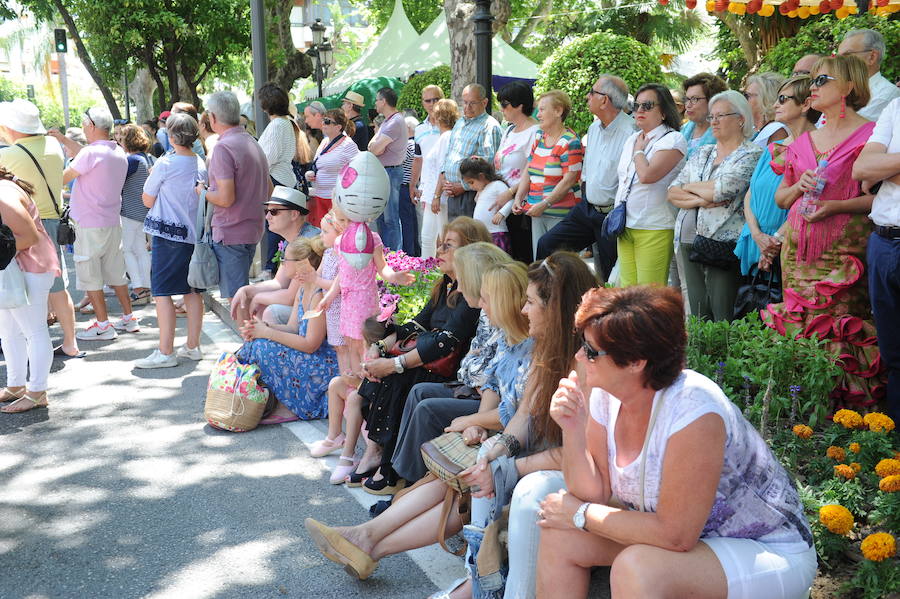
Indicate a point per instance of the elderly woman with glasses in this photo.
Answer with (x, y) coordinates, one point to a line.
(709, 192)
(333, 154)
(824, 254)
(761, 92)
(651, 158)
(666, 481)
(697, 92)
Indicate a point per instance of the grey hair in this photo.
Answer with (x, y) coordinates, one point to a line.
(768, 84)
(225, 106)
(740, 104)
(478, 88)
(183, 129)
(872, 39)
(76, 134)
(317, 106)
(615, 89)
(100, 117)
(411, 122)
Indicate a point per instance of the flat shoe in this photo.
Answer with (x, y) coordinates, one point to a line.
(342, 470)
(39, 402)
(322, 448)
(59, 352)
(356, 478)
(279, 419)
(356, 562)
(8, 395)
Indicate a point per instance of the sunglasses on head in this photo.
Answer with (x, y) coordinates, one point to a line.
(645, 106)
(822, 79)
(87, 113)
(591, 353)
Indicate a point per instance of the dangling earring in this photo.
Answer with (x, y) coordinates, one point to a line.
(843, 107)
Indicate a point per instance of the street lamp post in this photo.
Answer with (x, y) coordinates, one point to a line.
(323, 52)
(483, 34)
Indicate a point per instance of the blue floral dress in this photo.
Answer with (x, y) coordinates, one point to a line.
(297, 379)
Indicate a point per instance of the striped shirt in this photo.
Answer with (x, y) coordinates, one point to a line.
(407, 162)
(479, 136)
(329, 164)
(547, 167)
(132, 203)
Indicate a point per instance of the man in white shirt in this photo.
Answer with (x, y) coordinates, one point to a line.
(879, 161)
(605, 139)
(868, 45)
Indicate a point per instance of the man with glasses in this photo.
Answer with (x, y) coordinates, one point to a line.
(100, 168)
(805, 65)
(476, 134)
(286, 213)
(868, 46)
(606, 137)
(389, 144)
(697, 92)
(426, 135)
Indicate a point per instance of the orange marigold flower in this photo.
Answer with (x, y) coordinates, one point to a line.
(854, 447)
(887, 467)
(802, 431)
(856, 466)
(848, 418)
(890, 484)
(836, 453)
(844, 471)
(878, 422)
(878, 547)
(836, 518)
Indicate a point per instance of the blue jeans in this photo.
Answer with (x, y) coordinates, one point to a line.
(389, 221)
(409, 223)
(234, 266)
(883, 257)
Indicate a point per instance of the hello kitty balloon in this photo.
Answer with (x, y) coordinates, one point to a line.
(362, 189)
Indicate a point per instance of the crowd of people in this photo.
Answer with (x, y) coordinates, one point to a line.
(593, 444)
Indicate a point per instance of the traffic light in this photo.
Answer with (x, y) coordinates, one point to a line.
(59, 36)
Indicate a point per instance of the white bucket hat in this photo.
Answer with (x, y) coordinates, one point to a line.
(21, 116)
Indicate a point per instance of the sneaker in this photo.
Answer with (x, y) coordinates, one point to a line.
(195, 354)
(95, 332)
(129, 326)
(140, 299)
(157, 360)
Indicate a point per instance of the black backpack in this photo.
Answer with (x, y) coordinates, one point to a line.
(7, 245)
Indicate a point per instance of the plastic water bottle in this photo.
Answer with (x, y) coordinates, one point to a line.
(806, 202)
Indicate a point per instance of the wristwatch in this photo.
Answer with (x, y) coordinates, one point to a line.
(578, 519)
(398, 365)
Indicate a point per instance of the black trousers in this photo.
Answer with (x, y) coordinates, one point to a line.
(578, 230)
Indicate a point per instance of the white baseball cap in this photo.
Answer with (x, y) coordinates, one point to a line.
(21, 116)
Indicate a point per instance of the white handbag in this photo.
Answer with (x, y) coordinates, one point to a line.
(12, 287)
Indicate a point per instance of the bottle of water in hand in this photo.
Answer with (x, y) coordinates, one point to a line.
(806, 202)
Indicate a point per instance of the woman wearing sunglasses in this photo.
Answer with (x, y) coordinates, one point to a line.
(333, 154)
(651, 158)
(824, 254)
(709, 192)
(761, 237)
(666, 481)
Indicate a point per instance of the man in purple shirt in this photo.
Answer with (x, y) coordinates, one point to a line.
(99, 170)
(239, 184)
(389, 144)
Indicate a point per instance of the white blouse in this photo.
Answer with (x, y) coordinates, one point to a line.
(279, 143)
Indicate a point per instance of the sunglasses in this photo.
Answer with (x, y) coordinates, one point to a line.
(274, 211)
(505, 103)
(430, 100)
(446, 247)
(594, 92)
(782, 98)
(591, 353)
(645, 106)
(822, 79)
(87, 113)
(328, 121)
(714, 118)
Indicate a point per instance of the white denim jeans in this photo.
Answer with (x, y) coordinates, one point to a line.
(137, 258)
(432, 224)
(25, 337)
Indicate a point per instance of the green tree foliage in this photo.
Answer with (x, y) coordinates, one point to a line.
(419, 12)
(574, 67)
(824, 34)
(50, 108)
(411, 96)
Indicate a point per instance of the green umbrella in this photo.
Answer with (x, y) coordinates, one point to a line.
(367, 88)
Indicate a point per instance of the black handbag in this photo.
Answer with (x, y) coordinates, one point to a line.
(754, 295)
(7, 245)
(710, 252)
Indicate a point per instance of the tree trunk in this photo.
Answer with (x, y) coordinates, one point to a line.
(541, 10)
(501, 11)
(85, 58)
(286, 64)
(462, 44)
(141, 90)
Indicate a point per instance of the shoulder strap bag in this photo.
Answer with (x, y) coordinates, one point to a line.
(203, 269)
(65, 234)
(709, 251)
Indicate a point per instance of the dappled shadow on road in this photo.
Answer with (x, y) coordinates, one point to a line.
(120, 489)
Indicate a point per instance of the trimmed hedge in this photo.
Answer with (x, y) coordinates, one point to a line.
(411, 96)
(574, 68)
(824, 34)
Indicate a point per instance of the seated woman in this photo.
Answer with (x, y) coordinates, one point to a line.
(447, 325)
(295, 361)
(554, 286)
(708, 509)
(711, 189)
(430, 407)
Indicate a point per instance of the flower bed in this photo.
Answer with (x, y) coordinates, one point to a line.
(403, 302)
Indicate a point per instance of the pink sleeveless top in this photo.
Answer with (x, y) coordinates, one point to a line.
(42, 256)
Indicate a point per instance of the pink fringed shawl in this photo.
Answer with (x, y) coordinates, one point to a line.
(813, 238)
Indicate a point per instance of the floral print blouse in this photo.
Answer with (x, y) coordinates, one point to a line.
(732, 178)
(473, 367)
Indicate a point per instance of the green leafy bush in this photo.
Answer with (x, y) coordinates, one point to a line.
(411, 96)
(823, 34)
(574, 68)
